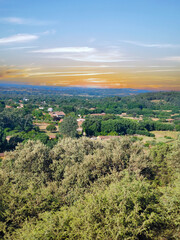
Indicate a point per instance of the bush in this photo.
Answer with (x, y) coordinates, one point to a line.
(51, 128)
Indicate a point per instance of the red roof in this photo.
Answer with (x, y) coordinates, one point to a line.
(7, 106)
(52, 136)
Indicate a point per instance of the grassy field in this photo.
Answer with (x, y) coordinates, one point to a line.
(161, 136)
(43, 127)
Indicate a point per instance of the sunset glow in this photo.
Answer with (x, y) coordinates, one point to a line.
(113, 44)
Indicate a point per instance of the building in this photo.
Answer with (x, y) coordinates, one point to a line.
(2, 155)
(80, 121)
(170, 120)
(7, 106)
(20, 105)
(52, 137)
(50, 109)
(57, 115)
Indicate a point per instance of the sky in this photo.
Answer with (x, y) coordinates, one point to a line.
(97, 43)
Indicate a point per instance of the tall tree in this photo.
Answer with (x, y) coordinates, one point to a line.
(69, 126)
(3, 141)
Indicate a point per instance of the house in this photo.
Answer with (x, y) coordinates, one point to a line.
(79, 129)
(2, 155)
(123, 114)
(170, 120)
(50, 109)
(20, 105)
(60, 114)
(7, 106)
(52, 137)
(80, 121)
(57, 115)
(41, 108)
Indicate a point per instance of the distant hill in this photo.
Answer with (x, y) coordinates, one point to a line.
(73, 91)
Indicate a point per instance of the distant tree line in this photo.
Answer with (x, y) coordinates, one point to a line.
(97, 125)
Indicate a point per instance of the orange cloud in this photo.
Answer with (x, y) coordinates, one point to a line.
(85, 77)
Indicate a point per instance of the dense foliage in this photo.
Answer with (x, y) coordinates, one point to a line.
(69, 126)
(86, 189)
(97, 125)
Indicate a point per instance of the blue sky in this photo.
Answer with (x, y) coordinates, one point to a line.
(124, 43)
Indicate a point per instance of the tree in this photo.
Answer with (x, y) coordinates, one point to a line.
(69, 126)
(14, 141)
(51, 128)
(2, 106)
(38, 114)
(3, 142)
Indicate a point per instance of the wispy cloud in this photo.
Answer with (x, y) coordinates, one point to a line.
(20, 48)
(24, 21)
(152, 45)
(86, 54)
(157, 70)
(11, 73)
(93, 56)
(18, 38)
(95, 80)
(48, 32)
(66, 50)
(172, 59)
(96, 58)
(67, 74)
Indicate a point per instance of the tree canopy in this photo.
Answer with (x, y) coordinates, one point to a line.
(69, 126)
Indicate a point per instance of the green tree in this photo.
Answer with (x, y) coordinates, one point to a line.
(14, 141)
(69, 126)
(38, 114)
(2, 106)
(51, 128)
(3, 142)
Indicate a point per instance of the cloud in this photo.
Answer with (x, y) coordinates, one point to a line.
(173, 59)
(158, 70)
(24, 21)
(85, 54)
(18, 38)
(67, 74)
(66, 50)
(140, 44)
(20, 48)
(47, 32)
(11, 73)
(96, 56)
(95, 80)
